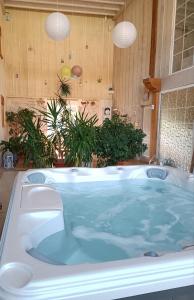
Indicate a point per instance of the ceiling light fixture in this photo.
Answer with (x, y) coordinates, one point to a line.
(57, 26)
(124, 34)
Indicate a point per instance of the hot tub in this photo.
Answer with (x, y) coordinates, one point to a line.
(36, 217)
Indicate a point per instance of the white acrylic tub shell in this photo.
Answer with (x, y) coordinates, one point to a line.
(36, 211)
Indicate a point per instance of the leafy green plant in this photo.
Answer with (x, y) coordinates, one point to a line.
(117, 140)
(37, 149)
(55, 119)
(13, 119)
(79, 138)
(14, 144)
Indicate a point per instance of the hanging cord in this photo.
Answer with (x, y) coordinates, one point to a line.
(103, 45)
(108, 64)
(70, 50)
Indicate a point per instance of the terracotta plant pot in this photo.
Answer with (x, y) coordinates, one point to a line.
(60, 163)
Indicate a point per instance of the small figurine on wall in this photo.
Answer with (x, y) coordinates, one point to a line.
(107, 113)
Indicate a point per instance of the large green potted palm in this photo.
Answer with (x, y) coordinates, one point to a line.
(55, 118)
(79, 138)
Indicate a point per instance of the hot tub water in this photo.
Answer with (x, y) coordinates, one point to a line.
(114, 220)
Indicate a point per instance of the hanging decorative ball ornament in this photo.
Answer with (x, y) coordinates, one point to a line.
(124, 34)
(65, 72)
(57, 26)
(76, 71)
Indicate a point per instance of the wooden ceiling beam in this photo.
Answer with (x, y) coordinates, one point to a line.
(41, 7)
(73, 4)
(119, 2)
(123, 9)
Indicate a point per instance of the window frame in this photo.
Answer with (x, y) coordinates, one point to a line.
(182, 36)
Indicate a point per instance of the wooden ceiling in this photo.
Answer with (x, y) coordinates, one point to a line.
(109, 8)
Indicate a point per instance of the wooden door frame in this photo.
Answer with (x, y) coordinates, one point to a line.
(152, 84)
(192, 164)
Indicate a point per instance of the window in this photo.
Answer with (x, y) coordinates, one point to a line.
(183, 53)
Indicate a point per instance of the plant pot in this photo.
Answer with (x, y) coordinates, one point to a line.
(20, 162)
(60, 163)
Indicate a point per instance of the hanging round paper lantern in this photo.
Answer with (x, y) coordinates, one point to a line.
(57, 26)
(124, 34)
(65, 72)
(76, 71)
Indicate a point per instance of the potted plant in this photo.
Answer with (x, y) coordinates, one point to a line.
(117, 140)
(13, 120)
(37, 148)
(79, 139)
(15, 142)
(28, 139)
(55, 120)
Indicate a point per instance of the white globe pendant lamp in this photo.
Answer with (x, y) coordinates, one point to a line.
(57, 26)
(124, 34)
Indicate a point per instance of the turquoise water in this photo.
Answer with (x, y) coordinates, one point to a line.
(106, 221)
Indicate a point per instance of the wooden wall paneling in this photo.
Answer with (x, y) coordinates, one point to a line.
(37, 59)
(75, 51)
(8, 46)
(32, 45)
(98, 59)
(1, 53)
(147, 15)
(21, 60)
(159, 47)
(89, 55)
(116, 60)
(136, 65)
(132, 64)
(2, 79)
(153, 38)
(138, 108)
(107, 61)
(7, 50)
